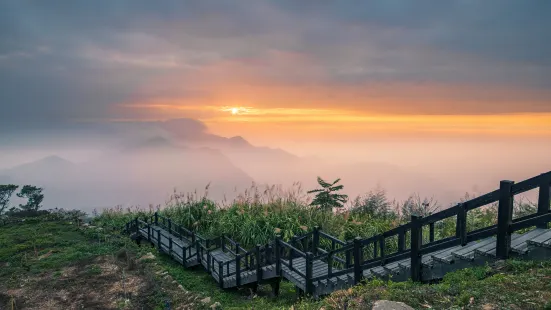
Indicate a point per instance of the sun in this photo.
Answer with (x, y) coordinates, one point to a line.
(234, 111)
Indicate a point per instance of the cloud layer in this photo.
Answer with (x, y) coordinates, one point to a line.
(80, 60)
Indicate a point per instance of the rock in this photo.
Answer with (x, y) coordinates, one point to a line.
(205, 301)
(499, 264)
(216, 305)
(390, 305)
(147, 256)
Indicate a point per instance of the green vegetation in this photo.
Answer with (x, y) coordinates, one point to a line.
(40, 251)
(326, 198)
(511, 284)
(256, 216)
(34, 198)
(51, 263)
(5, 194)
(54, 256)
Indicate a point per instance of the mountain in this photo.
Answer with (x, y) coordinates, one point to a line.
(41, 171)
(136, 175)
(276, 166)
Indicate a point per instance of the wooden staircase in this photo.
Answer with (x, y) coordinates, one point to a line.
(318, 263)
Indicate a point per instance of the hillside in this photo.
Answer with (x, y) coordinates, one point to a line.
(57, 265)
(63, 266)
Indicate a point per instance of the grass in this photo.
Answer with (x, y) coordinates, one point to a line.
(55, 265)
(512, 285)
(44, 250)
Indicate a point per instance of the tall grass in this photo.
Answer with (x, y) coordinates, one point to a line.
(258, 214)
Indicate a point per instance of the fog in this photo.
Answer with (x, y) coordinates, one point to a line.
(103, 165)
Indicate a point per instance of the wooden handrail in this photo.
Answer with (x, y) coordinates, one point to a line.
(255, 258)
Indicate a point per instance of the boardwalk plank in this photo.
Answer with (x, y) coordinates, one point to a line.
(520, 243)
(468, 252)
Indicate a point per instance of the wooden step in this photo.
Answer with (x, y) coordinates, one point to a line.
(445, 256)
(543, 240)
(379, 272)
(521, 245)
(516, 242)
(468, 252)
(489, 249)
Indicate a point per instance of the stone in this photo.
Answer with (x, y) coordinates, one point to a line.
(390, 305)
(205, 301)
(216, 305)
(499, 264)
(147, 256)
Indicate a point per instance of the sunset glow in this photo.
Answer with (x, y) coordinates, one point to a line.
(271, 88)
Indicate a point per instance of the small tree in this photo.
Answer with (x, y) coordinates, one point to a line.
(326, 198)
(5, 193)
(34, 198)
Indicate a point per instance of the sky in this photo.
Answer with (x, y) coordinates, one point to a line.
(417, 82)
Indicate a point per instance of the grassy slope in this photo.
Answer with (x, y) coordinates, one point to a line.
(55, 265)
(510, 285)
(44, 251)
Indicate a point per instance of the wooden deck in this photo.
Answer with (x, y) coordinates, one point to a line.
(319, 270)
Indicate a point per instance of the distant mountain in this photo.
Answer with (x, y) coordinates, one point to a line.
(40, 171)
(140, 174)
(276, 166)
(240, 151)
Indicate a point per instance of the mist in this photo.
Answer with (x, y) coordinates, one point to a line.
(138, 164)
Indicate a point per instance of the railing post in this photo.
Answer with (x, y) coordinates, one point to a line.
(258, 268)
(291, 251)
(156, 218)
(238, 269)
(221, 274)
(431, 232)
(315, 240)
(268, 254)
(169, 226)
(330, 264)
(504, 219)
(357, 260)
(236, 248)
(197, 250)
(222, 242)
(208, 260)
(544, 200)
(170, 245)
(382, 246)
(416, 242)
(159, 239)
(278, 255)
(461, 223)
(309, 274)
(401, 241)
(347, 259)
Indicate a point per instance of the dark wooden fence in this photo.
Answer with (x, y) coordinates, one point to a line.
(353, 257)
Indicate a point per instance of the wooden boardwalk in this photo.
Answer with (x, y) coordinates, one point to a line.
(318, 263)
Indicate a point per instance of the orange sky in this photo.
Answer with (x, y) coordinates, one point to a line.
(235, 98)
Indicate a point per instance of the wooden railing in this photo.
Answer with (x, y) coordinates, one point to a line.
(355, 256)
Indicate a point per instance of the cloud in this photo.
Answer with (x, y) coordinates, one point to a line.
(64, 61)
